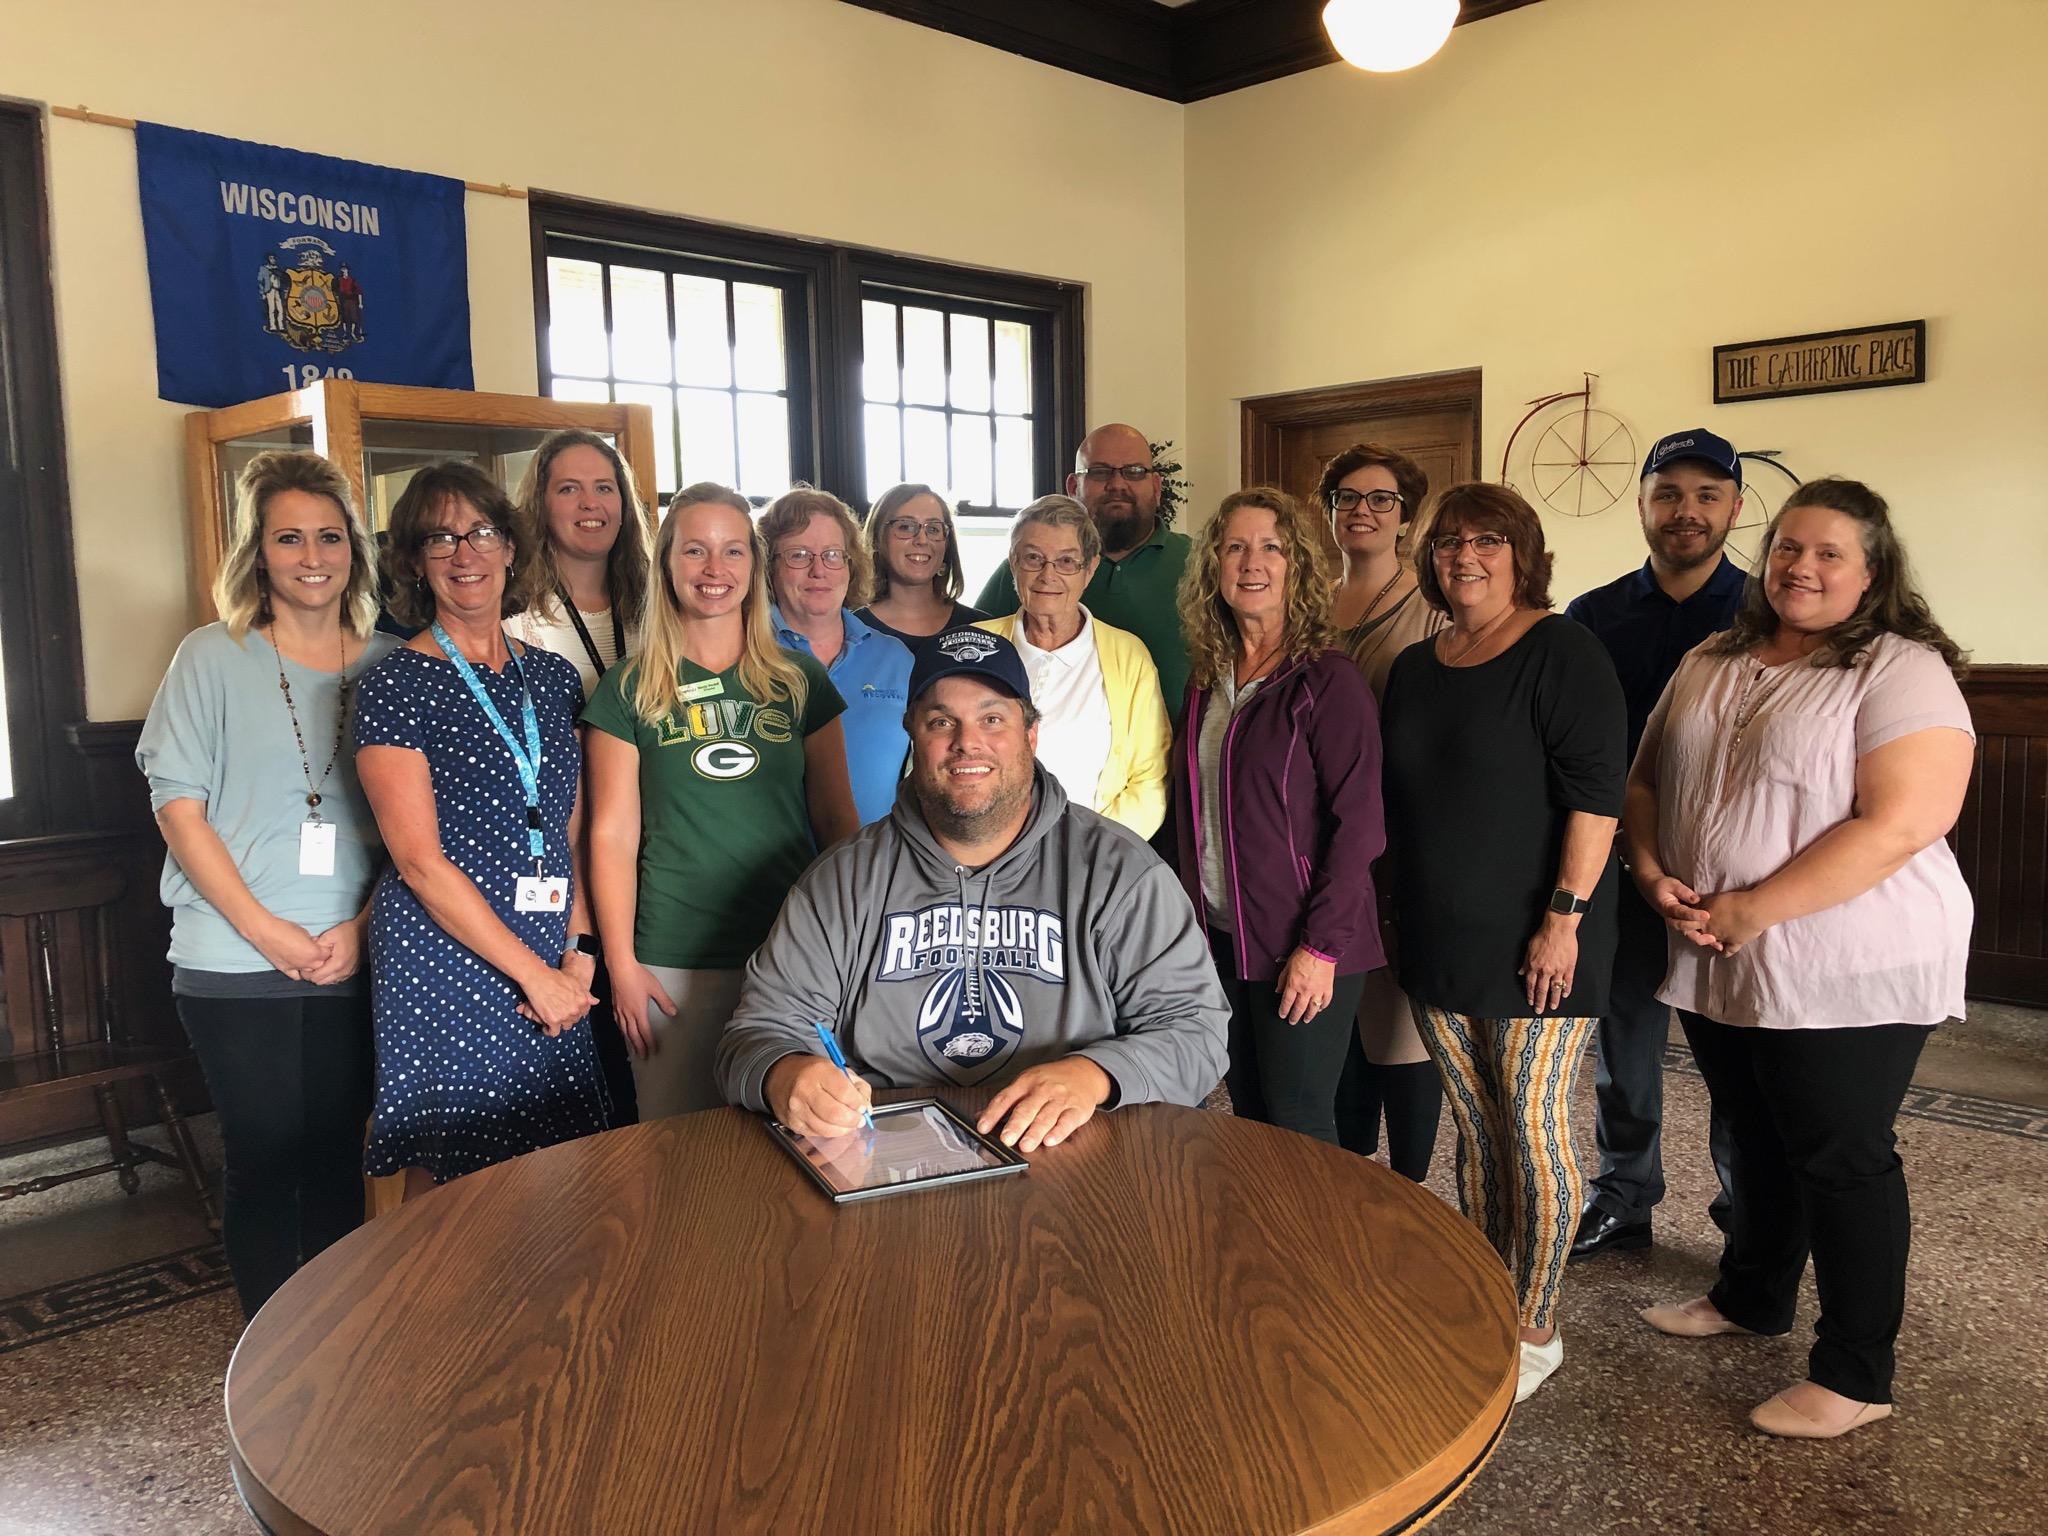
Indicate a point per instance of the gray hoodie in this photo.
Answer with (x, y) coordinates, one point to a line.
(1076, 941)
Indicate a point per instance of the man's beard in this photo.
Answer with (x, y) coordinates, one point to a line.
(1710, 551)
(959, 826)
(1122, 525)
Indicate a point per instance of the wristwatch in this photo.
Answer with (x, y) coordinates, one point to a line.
(1567, 904)
(586, 944)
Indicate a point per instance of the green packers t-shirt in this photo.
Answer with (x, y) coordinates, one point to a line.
(724, 826)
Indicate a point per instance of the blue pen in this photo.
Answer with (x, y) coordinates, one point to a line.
(838, 1058)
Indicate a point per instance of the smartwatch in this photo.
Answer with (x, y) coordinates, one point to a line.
(1565, 904)
(586, 944)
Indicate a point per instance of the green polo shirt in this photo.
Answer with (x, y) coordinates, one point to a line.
(1137, 593)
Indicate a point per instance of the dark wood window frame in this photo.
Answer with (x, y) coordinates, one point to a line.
(44, 661)
(826, 282)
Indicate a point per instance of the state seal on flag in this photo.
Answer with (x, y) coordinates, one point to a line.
(306, 304)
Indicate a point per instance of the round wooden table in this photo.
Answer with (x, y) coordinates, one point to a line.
(1179, 1321)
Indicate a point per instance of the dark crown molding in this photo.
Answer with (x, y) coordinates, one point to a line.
(1180, 53)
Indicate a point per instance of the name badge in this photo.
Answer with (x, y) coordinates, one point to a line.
(537, 893)
(706, 688)
(316, 847)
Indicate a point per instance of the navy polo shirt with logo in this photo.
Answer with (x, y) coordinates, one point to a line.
(1648, 634)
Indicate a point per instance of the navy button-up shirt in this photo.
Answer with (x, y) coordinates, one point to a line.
(1648, 634)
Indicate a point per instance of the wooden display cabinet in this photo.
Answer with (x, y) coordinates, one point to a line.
(378, 435)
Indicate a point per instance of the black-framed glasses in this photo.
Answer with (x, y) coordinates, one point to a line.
(484, 539)
(1344, 499)
(800, 559)
(1032, 561)
(1102, 474)
(1448, 544)
(910, 528)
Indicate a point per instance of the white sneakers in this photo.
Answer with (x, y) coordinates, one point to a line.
(1538, 1361)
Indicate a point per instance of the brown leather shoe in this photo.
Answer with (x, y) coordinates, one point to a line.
(1780, 1418)
(1680, 1323)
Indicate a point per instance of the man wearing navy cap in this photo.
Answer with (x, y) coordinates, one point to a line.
(984, 932)
(1688, 589)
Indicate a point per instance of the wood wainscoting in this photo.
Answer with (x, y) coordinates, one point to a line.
(2001, 839)
(123, 834)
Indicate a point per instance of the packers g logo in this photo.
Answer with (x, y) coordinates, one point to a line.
(725, 760)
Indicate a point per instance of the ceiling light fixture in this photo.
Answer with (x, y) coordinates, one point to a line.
(1386, 36)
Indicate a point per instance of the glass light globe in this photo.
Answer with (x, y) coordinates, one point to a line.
(1386, 36)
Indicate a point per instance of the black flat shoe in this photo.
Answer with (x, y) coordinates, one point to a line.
(1601, 1233)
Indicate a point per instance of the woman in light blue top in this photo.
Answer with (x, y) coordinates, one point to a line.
(820, 571)
(272, 855)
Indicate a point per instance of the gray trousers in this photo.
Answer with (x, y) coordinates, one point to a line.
(1628, 1083)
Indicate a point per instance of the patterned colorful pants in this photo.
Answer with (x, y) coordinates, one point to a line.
(1509, 1086)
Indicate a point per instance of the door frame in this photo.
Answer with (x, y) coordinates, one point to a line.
(1265, 417)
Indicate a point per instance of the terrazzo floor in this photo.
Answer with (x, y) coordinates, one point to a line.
(116, 1427)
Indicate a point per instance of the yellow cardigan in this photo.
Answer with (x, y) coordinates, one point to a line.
(1132, 789)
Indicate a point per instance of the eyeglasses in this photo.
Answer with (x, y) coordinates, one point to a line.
(1102, 474)
(800, 559)
(1448, 544)
(1346, 500)
(1032, 561)
(483, 538)
(910, 528)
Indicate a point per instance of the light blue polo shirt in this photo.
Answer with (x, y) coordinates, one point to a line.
(872, 673)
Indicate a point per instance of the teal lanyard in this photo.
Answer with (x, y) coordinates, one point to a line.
(524, 758)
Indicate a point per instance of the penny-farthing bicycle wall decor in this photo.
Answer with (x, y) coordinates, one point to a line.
(1581, 456)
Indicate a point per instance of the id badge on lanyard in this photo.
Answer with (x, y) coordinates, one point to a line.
(316, 846)
(539, 891)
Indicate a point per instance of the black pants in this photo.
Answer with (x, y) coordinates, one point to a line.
(1628, 1084)
(1285, 1074)
(614, 1057)
(291, 1078)
(1412, 1097)
(1813, 1166)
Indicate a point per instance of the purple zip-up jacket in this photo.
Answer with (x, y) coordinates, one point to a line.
(1302, 820)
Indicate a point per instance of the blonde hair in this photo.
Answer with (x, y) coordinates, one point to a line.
(791, 513)
(1206, 620)
(241, 589)
(625, 570)
(767, 671)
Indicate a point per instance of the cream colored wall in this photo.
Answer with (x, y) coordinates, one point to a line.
(803, 116)
(1617, 186)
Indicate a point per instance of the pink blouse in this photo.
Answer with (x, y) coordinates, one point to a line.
(1754, 764)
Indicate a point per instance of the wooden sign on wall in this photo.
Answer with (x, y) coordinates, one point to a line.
(1868, 357)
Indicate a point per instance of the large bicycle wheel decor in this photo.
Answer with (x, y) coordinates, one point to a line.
(1582, 458)
(1766, 481)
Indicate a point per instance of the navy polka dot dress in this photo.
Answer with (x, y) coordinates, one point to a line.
(463, 1081)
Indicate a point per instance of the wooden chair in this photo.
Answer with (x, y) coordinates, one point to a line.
(57, 980)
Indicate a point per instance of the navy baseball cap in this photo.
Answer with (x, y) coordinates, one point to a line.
(969, 651)
(1694, 443)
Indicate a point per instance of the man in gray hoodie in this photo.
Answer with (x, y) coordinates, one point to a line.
(985, 931)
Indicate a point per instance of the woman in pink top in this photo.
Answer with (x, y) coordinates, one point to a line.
(1786, 815)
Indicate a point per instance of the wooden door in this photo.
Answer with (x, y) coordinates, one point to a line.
(1433, 418)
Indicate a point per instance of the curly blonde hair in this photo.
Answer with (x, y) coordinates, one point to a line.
(791, 513)
(1206, 620)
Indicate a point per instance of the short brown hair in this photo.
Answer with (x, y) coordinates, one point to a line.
(1478, 506)
(1409, 480)
(791, 513)
(429, 490)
